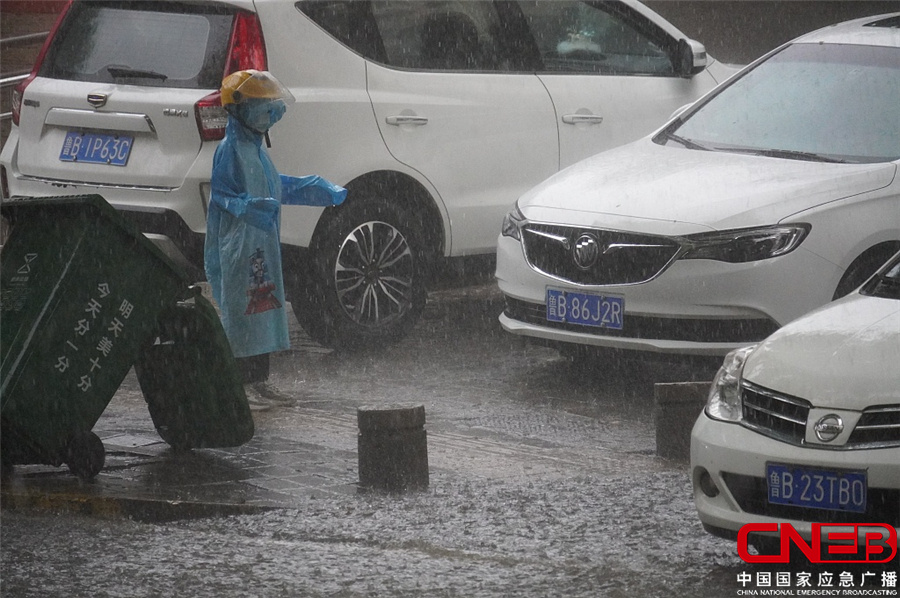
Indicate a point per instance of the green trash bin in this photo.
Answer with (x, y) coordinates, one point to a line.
(82, 292)
(189, 378)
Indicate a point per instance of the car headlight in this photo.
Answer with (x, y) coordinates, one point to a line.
(746, 244)
(724, 401)
(512, 223)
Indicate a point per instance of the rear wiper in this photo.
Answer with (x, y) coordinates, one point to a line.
(124, 72)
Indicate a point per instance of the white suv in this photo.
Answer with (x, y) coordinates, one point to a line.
(435, 115)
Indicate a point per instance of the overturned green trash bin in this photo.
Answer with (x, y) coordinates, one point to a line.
(82, 292)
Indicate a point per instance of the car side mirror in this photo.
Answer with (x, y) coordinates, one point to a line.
(691, 58)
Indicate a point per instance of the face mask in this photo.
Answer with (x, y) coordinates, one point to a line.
(260, 115)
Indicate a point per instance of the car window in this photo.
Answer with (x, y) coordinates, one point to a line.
(349, 21)
(459, 35)
(597, 37)
(443, 35)
(508, 36)
(149, 43)
(830, 101)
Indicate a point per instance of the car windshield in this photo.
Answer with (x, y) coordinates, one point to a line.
(820, 102)
(886, 284)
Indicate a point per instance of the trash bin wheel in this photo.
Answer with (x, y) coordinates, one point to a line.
(180, 446)
(85, 455)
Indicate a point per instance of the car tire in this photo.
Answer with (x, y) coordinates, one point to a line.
(365, 281)
(864, 266)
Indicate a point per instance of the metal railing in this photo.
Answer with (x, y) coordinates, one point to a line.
(22, 40)
(13, 79)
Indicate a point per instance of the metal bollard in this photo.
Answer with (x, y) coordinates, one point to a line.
(393, 450)
(677, 406)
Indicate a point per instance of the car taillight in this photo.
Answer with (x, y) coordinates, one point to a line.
(19, 91)
(211, 117)
(246, 50)
(17, 94)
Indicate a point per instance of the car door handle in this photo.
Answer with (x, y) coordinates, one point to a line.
(579, 119)
(406, 119)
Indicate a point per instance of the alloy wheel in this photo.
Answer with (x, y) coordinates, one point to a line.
(374, 274)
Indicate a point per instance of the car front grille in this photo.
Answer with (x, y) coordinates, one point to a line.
(785, 418)
(878, 427)
(678, 329)
(595, 256)
(773, 414)
(751, 494)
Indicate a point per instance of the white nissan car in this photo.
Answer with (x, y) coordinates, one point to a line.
(435, 115)
(805, 427)
(773, 195)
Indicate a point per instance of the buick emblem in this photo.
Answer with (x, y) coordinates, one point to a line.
(829, 427)
(586, 251)
(97, 99)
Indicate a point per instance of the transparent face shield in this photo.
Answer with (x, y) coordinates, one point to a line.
(260, 85)
(256, 98)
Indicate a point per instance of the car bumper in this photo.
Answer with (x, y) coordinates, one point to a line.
(735, 459)
(698, 307)
(165, 227)
(174, 218)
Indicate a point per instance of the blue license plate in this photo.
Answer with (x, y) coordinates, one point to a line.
(96, 148)
(835, 490)
(587, 309)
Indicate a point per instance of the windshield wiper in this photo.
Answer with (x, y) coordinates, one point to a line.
(124, 72)
(883, 286)
(688, 143)
(791, 155)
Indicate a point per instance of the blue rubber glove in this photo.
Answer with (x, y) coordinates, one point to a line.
(310, 190)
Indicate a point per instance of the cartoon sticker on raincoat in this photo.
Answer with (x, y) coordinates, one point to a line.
(260, 288)
(243, 246)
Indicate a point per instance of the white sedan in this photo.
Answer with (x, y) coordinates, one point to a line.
(805, 427)
(773, 195)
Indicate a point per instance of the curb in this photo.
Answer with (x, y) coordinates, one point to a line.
(146, 510)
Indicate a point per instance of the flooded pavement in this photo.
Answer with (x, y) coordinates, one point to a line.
(581, 536)
(544, 481)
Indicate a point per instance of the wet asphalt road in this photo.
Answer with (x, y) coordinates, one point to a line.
(543, 482)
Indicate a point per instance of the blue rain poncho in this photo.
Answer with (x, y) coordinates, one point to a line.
(242, 253)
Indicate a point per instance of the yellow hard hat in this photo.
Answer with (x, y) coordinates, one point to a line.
(242, 85)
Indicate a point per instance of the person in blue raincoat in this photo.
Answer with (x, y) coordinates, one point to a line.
(243, 247)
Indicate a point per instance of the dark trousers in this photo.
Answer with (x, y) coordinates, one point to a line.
(254, 368)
